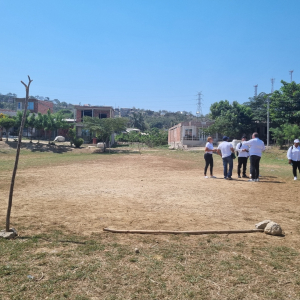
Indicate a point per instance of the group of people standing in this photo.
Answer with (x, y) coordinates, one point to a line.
(252, 148)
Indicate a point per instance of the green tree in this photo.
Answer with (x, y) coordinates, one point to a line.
(7, 123)
(232, 120)
(52, 122)
(278, 135)
(291, 132)
(104, 128)
(137, 121)
(39, 123)
(217, 108)
(286, 132)
(285, 104)
(258, 106)
(19, 117)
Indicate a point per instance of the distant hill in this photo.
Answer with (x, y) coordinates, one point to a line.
(161, 119)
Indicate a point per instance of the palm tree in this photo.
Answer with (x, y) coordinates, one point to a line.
(31, 123)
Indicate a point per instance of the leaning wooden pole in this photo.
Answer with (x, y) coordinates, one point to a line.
(11, 191)
(183, 232)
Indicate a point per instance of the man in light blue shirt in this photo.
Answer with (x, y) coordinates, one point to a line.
(257, 146)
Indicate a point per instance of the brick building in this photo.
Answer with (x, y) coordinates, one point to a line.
(100, 112)
(189, 134)
(35, 105)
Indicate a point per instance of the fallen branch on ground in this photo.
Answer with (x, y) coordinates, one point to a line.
(183, 232)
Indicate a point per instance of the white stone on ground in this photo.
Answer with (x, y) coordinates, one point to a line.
(273, 229)
(262, 224)
(59, 139)
(8, 235)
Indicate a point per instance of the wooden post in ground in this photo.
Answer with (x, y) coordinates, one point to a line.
(17, 156)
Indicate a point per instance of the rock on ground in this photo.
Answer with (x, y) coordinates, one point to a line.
(8, 235)
(262, 224)
(273, 229)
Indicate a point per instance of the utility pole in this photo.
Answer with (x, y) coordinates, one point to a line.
(291, 73)
(268, 112)
(255, 90)
(268, 120)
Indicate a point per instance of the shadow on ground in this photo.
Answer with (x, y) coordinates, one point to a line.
(39, 147)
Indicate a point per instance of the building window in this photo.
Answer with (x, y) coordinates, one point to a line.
(87, 113)
(102, 116)
(30, 106)
(188, 134)
(19, 105)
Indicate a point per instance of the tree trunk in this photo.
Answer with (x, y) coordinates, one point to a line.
(17, 157)
(50, 132)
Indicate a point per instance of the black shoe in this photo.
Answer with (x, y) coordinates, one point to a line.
(229, 178)
(225, 177)
(245, 176)
(240, 176)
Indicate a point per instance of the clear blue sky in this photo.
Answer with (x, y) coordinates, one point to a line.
(152, 54)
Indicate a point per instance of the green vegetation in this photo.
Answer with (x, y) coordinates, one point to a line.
(235, 119)
(230, 119)
(285, 132)
(104, 128)
(152, 138)
(78, 142)
(285, 104)
(6, 123)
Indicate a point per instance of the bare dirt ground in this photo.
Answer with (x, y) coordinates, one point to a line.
(148, 192)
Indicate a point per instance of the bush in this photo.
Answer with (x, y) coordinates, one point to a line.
(78, 142)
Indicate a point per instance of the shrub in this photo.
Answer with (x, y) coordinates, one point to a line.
(78, 142)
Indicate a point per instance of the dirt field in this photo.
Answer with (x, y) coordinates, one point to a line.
(148, 192)
(160, 189)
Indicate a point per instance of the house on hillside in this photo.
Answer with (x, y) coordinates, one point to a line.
(189, 134)
(100, 112)
(35, 105)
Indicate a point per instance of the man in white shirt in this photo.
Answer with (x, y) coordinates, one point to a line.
(226, 149)
(257, 146)
(293, 156)
(243, 154)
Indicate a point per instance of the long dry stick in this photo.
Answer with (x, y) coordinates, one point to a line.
(183, 232)
(17, 156)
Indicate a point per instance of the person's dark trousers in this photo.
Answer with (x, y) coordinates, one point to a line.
(242, 161)
(228, 161)
(296, 165)
(208, 162)
(254, 166)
